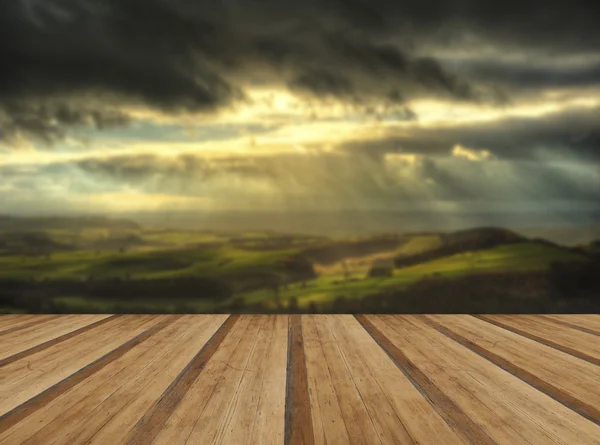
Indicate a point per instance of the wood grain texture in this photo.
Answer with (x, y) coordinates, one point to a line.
(444, 405)
(405, 415)
(537, 365)
(9, 321)
(298, 419)
(354, 410)
(507, 408)
(299, 379)
(589, 321)
(76, 406)
(87, 325)
(566, 321)
(26, 323)
(54, 387)
(183, 419)
(571, 341)
(327, 419)
(149, 426)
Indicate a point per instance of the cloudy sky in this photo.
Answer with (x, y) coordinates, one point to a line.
(210, 105)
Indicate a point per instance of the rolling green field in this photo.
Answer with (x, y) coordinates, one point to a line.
(249, 263)
(218, 262)
(84, 304)
(419, 244)
(515, 257)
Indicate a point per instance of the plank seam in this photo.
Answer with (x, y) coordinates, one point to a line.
(298, 417)
(32, 405)
(55, 341)
(152, 422)
(336, 392)
(15, 321)
(25, 326)
(234, 403)
(448, 410)
(544, 341)
(570, 325)
(345, 359)
(148, 364)
(582, 408)
(262, 380)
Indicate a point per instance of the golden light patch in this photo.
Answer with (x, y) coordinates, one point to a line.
(139, 201)
(402, 158)
(471, 154)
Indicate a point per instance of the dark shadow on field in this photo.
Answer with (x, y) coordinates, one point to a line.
(481, 270)
(564, 288)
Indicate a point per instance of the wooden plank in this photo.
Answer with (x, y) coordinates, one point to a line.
(247, 406)
(33, 321)
(7, 321)
(268, 426)
(385, 420)
(445, 406)
(442, 379)
(183, 417)
(568, 322)
(328, 422)
(298, 419)
(78, 403)
(401, 413)
(67, 362)
(550, 323)
(213, 420)
(359, 423)
(578, 344)
(153, 421)
(100, 320)
(566, 379)
(585, 322)
(201, 415)
(117, 415)
(509, 410)
(32, 336)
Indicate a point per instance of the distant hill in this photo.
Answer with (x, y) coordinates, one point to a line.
(463, 241)
(592, 248)
(20, 224)
(336, 251)
(567, 236)
(479, 238)
(30, 243)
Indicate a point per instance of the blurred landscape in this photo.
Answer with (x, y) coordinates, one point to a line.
(95, 264)
(273, 156)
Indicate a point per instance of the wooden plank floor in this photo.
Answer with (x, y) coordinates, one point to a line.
(299, 379)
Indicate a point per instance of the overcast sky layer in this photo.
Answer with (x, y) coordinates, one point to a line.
(218, 105)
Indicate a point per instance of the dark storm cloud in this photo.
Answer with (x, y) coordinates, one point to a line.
(552, 26)
(353, 68)
(575, 130)
(50, 120)
(59, 56)
(184, 168)
(197, 55)
(194, 55)
(461, 180)
(113, 46)
(529, 74)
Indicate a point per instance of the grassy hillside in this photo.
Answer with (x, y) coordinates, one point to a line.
(514, 257)
(102, 264)
(566, 235)
(419, 244)
(19, 224)
(84, 264)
